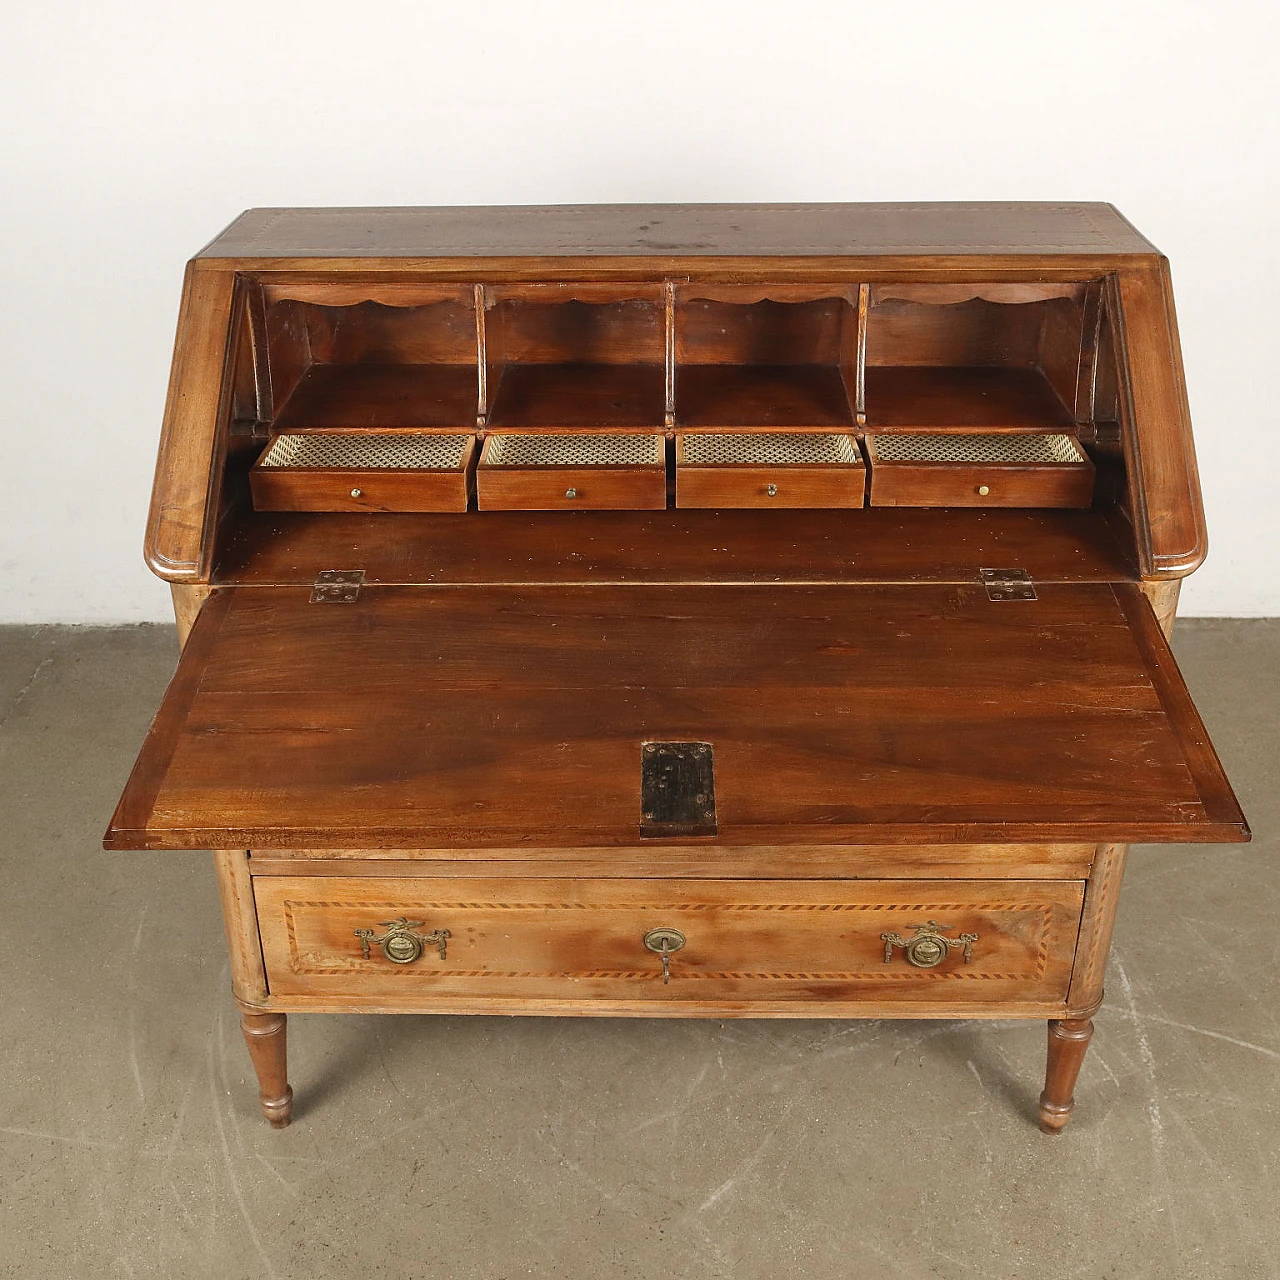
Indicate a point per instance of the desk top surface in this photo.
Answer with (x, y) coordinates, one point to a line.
(682, 230)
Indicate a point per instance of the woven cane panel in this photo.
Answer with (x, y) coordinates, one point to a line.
(574, 451)
(360, 451)
(977, 448)
(767, 449)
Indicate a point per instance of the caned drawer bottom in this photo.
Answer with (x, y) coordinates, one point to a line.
(569, 941)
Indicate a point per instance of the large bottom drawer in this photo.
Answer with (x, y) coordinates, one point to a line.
(667, 942)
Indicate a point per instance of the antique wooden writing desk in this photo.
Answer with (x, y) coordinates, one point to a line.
(676, 611)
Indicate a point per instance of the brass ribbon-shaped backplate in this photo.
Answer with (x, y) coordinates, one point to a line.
(928, 947)
(400, 944)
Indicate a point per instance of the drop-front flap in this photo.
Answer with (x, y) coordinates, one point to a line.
(509, 717)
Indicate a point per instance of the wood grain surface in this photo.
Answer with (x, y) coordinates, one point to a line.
(778, 487)
(690, 229)
(382, 395)
(796, 397)
(906, 398)
(508, 716)
(689, 546)
(950, 484)
(546, 940)
(184, 502)
(353, 488)
(700, 861)
(585, 397)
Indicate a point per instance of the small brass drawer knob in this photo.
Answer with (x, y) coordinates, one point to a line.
(927, 947)
(357, 493)
(983, 490)
(771, 490)
(665, 942)
(400, 944)
(571, 493)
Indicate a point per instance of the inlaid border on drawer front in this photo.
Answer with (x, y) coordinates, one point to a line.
(582, 941)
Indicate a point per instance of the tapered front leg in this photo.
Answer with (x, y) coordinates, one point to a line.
(265, 1033)
(1068, 1041)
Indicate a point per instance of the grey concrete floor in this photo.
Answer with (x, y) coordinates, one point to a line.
(130, 1143)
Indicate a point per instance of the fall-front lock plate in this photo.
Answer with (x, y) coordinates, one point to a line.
(677, 790)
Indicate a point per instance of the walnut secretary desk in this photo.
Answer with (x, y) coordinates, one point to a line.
(676, 611)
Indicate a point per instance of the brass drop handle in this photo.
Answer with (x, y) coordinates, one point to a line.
(400, 944)
(927, 947)
(665, 942)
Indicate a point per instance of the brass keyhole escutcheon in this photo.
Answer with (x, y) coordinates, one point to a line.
(665, 942)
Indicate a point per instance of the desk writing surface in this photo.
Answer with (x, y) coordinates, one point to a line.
(506, 717)
(681, 545)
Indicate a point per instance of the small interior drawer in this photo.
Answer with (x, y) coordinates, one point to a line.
(769, 469)
(547, 471)
(964, 469)
(364, 471)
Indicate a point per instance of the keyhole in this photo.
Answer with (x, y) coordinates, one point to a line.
(664, 942)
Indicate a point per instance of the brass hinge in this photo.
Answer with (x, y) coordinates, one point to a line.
(1007, 584)
(336, 586)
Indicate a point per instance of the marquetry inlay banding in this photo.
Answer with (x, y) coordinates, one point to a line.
(309, 961)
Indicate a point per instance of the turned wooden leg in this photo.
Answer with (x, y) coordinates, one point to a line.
(1068, 1040)
(264, 1033)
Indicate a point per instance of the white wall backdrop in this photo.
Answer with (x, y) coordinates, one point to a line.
(134, 131)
